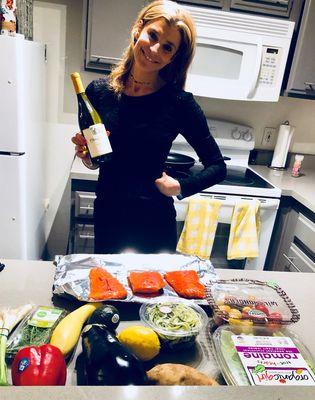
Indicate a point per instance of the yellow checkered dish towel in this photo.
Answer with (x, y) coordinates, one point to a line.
(244, 231)
(199, 229)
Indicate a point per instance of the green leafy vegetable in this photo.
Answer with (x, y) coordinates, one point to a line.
(30, 336)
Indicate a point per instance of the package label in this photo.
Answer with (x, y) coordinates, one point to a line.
(271, 360)
(45, 317)
(97, 140)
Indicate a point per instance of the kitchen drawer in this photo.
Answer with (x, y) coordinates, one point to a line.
(84, 204)
(305, 232)
(84, 238)
(297, 261)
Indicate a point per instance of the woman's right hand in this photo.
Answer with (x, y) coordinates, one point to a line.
(80, 146)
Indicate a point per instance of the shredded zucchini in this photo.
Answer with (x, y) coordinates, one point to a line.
(173, 317)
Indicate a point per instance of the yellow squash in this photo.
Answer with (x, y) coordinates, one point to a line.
(67, 333)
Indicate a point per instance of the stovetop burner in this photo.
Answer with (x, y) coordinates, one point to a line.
(236, 180)
(242, 176)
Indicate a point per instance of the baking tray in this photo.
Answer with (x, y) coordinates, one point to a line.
(72, 272)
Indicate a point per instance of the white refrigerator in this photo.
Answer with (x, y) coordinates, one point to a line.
(22, 116)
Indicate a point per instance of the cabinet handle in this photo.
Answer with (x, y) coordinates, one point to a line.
(309, 86)
(86, 236)
(291, 263)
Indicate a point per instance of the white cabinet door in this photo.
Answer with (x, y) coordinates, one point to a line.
(108, 30)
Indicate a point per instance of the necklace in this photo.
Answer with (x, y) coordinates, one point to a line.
(140, 82)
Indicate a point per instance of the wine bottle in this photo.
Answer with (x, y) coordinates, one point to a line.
(91, 125)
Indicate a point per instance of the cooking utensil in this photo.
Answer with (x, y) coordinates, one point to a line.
(179, 162)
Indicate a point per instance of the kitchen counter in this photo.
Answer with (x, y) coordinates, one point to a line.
(31, 281)
(301, 189)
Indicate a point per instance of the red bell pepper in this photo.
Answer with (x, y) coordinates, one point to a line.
(39, 366)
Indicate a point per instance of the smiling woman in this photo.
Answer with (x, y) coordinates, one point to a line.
(165, 35)
(155, 48)
(144, 107)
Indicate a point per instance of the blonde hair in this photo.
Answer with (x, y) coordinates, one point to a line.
(176, 71)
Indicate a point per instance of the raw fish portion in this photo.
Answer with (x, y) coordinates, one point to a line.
(104, 286)
(186, 284)
(146, 282)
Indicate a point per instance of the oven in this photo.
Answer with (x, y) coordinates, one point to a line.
(241, 183)
(268, 211)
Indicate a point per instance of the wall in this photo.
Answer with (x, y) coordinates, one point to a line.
(299, 112)
(58, 23)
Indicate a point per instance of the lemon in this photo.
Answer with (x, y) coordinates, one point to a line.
(143, 342)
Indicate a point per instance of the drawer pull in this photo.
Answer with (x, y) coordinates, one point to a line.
(86, 236)
(289, 259)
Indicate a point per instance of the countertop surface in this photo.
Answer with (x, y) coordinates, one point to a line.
(301, 189)
(31, 281)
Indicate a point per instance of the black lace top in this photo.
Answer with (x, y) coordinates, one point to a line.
(142, 130)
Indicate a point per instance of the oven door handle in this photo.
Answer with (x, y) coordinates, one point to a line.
(231, 203)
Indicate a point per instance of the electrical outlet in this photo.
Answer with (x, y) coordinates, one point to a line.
(268, 139)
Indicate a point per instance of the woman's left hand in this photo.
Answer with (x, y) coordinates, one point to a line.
(168, 185)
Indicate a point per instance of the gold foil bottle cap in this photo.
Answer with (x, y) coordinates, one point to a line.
(77, 83)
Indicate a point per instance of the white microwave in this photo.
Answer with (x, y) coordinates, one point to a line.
(238, 56)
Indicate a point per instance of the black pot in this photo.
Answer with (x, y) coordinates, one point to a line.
(179, 162)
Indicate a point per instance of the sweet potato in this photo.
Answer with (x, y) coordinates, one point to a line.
(178, 374)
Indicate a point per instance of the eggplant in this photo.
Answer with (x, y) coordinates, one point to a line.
(107, 362)
(107, 315)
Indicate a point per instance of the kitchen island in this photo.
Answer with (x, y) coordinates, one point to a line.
(31, 281)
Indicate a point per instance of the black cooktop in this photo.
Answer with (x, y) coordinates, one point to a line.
(242, 176)
(236, 176)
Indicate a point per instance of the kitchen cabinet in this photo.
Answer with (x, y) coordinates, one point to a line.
(293, 240)
(81, 238)
(284, 8)
(108, 25)
(301, 82)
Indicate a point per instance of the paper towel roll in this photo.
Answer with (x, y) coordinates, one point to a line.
(282, 146)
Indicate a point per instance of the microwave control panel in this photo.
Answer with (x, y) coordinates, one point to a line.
(270, 62)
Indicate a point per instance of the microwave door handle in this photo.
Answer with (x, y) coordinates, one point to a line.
(253, 83)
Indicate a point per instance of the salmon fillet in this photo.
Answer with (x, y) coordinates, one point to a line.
(186, 284)
(146, 282)
(103, 286)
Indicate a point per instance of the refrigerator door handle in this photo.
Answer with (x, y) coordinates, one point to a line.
(11, 153)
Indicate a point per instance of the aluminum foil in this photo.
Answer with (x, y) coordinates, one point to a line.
(72, 272)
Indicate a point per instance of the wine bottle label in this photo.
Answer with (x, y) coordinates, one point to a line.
(97, 140)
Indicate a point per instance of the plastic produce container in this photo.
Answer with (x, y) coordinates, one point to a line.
(252, 344)
(244, 303)
(266, 357)
(176, 321)
(35, 329)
